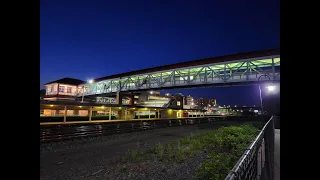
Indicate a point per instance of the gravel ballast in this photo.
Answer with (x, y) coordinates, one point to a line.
(98, 157)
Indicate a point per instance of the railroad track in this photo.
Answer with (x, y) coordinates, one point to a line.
(53, 133)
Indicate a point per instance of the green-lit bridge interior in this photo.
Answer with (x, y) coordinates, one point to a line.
(240, 68)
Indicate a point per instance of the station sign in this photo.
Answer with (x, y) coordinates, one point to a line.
(110, 100)
(106, 100)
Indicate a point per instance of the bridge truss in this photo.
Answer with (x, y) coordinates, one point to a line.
(239, 71)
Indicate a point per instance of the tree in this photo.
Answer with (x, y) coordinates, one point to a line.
(42, 93)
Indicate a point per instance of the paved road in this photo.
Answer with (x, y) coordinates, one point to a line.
(277, 155)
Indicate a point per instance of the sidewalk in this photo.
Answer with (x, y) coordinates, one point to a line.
(277, 155)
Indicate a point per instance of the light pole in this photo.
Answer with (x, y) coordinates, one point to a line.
(269, 87)
(90, 82)
(261, 103)
(260, 92)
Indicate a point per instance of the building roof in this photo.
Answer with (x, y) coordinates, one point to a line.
(69, 81)
(233, 57)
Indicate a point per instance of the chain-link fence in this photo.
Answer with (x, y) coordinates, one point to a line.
(257, 161)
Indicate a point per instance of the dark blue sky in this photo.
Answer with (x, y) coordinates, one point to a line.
(93, 38)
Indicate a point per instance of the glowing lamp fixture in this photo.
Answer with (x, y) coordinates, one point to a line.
(271, 88)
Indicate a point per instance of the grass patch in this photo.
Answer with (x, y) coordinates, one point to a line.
(229, 144)
(224, 147)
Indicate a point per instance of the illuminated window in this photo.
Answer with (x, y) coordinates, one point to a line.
(178, 103)
(69, 90)
(125, 101)
(61, 88)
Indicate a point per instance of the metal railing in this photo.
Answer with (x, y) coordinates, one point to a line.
(49, 133)
(257, 162)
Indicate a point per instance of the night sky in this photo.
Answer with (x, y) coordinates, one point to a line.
(87, 39)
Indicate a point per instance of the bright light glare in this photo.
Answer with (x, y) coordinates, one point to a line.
(271, 88)
(90, 81)
(151, 92)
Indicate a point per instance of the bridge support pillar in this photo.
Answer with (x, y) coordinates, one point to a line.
(118, 98)
(131, 100)
(65, 114)
(90, 113)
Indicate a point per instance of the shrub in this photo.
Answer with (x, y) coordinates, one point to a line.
(230, 143)
(215, 167)
(224, 146)
(160, 151)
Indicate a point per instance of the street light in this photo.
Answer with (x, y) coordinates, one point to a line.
(260, 93)
(90, 81)
(270, 88)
